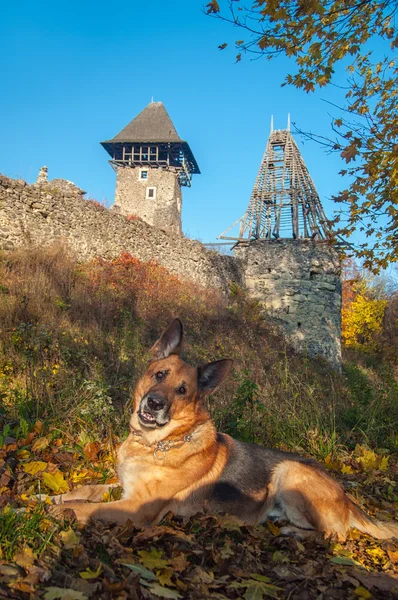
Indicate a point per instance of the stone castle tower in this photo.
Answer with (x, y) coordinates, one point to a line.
(286, 249)
(152, 163)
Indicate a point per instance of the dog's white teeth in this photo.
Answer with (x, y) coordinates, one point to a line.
(149, 416)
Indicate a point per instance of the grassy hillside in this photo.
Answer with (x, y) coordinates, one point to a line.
(74, 338)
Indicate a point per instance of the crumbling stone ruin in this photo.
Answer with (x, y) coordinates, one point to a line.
(296, 279)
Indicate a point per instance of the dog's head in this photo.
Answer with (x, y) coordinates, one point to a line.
(168, 396)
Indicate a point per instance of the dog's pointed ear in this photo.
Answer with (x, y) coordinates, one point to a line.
(169, 342)
(210, 376)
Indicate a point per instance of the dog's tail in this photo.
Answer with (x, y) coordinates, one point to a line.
(381, 530)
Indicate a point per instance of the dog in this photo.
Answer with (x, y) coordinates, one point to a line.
(175, 461)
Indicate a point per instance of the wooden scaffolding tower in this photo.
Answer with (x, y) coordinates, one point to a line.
(284, 203)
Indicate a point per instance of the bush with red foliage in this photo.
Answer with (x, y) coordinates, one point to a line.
(96, 203)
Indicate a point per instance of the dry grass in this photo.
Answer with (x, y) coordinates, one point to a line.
(74, 339)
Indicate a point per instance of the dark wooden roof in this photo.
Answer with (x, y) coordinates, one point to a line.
(152, 125)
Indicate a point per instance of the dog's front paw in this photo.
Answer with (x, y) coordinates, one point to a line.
(81, 511)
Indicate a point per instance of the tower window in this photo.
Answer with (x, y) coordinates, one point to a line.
(143, 174)
(144, 153)
(150, 193)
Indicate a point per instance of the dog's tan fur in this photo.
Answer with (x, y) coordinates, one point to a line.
(212, 469)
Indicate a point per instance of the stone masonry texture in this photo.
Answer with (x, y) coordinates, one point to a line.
(297, 282)
(37, 215)
(163, 211)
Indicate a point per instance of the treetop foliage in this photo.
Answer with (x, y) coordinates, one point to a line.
(316, 35)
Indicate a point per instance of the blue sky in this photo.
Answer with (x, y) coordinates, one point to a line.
(75, 73)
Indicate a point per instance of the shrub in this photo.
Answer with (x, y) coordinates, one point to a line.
(74, 338)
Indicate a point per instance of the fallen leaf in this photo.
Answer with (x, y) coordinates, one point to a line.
(393, 556)
(22, 454)
(179, 563)
(227, 550)
(25, 558)
(56, 482)
(344, 560)
(38, 426)
(40, 444)
(256, 590)
(382, 581)
(89, 574)
(159, 530)
(152, 559)
(163, 592)
(331, 463)
(144, 572)
(376, 554)
(347, 470)
(56, 593)
(164, 576)
(274, 529)
(34, 467)
(70, 538)
(9, 571)
(91, 450)
(362, 592)
(279, 557)
(260, 577)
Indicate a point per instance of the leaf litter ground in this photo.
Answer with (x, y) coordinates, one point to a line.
(203, 557)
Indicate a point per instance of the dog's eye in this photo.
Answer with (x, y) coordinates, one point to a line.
(182, 390)
(159, 376)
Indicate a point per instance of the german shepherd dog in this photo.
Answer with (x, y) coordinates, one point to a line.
(174, 460)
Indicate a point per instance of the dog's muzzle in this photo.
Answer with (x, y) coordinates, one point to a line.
(154, 410)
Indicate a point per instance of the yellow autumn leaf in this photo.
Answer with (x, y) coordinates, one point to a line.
(77, 476)
(34, 467)
(347, 470)
(70, 538)
(164, 576)
(331, 463)
(376, 554)
(383, 466)
(22, 454)
(368, 460)
(362, 592)
(89, 574)
(56, 482)
(40, 444)
(38, 426)
(152, 559)
(45, 525)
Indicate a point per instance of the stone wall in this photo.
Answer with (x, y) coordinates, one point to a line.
(298, 283)
(42, 215)
(163, 211)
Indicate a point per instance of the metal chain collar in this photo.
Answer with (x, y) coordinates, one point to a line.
(161, 448)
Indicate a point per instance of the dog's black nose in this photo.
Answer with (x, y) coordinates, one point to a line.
(155, 403)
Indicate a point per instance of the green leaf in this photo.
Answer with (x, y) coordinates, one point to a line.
(344, 560)
(145, 573)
